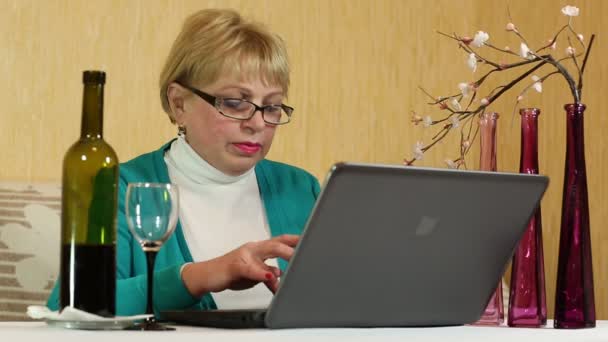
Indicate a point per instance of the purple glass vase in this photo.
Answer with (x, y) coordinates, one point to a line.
(527, 299)
(574, 297)
(494, 312)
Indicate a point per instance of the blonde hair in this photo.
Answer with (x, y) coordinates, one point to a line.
(215, 42)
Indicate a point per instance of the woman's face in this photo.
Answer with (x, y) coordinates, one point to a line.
(231, 146)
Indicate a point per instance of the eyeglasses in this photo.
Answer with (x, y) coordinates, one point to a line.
(243, 110)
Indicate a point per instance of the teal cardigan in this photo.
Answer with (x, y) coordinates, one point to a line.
(288, 194)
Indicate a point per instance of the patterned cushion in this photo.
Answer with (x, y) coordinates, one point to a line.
(29, 245)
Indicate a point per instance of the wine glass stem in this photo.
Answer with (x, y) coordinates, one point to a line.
(150, 258)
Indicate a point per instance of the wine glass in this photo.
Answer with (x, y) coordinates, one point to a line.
(152, 210)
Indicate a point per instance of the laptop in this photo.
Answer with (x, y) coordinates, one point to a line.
(395, 246)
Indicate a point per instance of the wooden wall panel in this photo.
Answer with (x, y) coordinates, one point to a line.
(356, 68)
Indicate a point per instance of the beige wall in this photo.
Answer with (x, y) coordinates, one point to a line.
(356, 68)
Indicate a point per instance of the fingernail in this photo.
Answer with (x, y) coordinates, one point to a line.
(268, 276)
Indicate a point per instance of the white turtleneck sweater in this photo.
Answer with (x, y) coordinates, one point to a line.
(218, 213)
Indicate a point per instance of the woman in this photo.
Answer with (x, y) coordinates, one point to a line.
(223, 85)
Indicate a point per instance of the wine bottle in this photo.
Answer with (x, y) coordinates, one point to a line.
(88, 211)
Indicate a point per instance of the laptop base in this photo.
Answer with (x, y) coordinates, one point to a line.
(225, 319)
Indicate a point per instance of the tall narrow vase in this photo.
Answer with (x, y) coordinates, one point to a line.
(494, 312)
(527, 299)
(574, 297)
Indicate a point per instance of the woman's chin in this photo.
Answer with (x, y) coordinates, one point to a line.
(238, 165)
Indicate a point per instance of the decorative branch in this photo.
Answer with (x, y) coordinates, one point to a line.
(580, 75)
(455, 116)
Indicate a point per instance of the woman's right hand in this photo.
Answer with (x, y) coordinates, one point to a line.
(241, 268)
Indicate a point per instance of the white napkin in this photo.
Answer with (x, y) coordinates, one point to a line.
(72, 314)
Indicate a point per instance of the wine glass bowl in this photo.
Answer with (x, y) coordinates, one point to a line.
(151, 213)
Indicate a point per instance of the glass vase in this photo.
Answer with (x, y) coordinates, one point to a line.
(574, 297)
(494, 312)
(527, 299)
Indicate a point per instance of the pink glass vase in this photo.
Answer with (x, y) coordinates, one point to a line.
(494, 312)
(527, 299)
(574, 297)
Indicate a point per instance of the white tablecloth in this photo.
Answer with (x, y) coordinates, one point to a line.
(37, 331)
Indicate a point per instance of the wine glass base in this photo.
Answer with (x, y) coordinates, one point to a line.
(151, 326)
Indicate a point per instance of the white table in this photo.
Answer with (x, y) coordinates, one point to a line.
(37, 331)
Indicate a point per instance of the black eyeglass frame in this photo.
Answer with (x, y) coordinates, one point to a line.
(215, 101)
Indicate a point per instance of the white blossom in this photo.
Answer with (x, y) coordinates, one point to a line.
(484, 101)
(418, 153)
(507, 48)
(456, 104)
(570, 11)
(450, 163)
(472, 62)
(480, 39)
(580, 37)
(428, 121)
(538, 86)
(525, 51)
(454, 120)
(570, 51)
(519, 98)
(466, 144)
(416, 119)
(511, 27)
(464, 88)
(554, 45)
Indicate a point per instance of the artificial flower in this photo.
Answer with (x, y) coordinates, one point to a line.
(472, 62)
(454, 120)
(554, 45)
(418, 152)
(525, 51)
(480, 39)
(456, 104)
(466, 40)
(570, 51)
(464, 88)
(450, 163)
(538, 86)
(580, 37)
(570, 11)
(428, 121)
(416, 119)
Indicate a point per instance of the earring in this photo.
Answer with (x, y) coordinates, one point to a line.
(181, 131)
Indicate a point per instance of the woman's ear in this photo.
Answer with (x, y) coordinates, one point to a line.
(176, 97)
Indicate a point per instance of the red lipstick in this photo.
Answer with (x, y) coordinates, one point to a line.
(248, 147)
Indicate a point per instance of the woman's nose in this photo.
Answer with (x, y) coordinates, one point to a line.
(256, 122)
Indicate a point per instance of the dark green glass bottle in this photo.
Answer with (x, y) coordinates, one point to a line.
(88, 211)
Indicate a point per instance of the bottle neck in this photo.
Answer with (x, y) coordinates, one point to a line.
(575, 132)
(92, 112)
(528, 162)
(487, 153)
